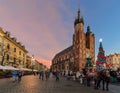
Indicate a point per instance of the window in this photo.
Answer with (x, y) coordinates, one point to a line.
(14, 49)
(8, 46)
(14, 60)
(19, 52)
(8, 57)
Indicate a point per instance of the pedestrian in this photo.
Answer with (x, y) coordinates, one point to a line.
(82, 76)
(14, 75)
(77, 76)
(107, 79)
(20, 74)
(57, 75)
(89, 77)
(104, 77)
(42, 75)
(46, 75)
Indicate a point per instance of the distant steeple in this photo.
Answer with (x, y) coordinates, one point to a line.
(79, 19)
(79, 13)
(88, 29)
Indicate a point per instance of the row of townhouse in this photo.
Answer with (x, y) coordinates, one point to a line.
(13, 53)
(113, 60)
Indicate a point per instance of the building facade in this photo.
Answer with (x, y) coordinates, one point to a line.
(36, 65)
(12, 52)
(83, 46)
(1, 44)
(113, 60)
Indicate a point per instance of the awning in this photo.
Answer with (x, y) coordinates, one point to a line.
(10, 68)
(25, 69)
(35, 70)
(2, 67)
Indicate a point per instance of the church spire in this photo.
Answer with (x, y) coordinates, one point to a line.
(79, 13)
(79, 19)
(88, 29)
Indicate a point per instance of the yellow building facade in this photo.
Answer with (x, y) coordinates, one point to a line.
(113, 60)
(12, 53)
(1, 43)
(36, 66)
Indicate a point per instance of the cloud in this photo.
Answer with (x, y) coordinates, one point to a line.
(38, 24)
(44, 62)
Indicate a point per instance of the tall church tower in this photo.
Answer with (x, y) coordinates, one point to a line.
(81, 43)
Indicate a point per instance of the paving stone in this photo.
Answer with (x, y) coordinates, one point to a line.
(32, 84)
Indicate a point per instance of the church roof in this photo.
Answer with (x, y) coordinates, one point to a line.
(64, 51)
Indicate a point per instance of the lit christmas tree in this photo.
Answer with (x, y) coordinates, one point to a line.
(101, 58)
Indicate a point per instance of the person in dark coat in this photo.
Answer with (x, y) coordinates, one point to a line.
(57, 75)
(20, 74)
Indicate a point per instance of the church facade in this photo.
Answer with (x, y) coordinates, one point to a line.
(83, 46)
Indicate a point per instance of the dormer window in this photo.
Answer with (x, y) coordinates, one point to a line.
(7, 34)
(14, 39)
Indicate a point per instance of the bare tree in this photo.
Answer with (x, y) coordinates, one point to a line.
(4, 52)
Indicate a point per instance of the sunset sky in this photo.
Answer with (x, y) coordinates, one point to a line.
(46, 27)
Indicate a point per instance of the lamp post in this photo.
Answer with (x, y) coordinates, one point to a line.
(32, 62)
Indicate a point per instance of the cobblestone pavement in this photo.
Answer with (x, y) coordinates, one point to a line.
(32, 84)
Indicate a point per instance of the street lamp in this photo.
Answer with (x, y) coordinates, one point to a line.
(32, 62)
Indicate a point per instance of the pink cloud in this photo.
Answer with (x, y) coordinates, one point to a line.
(43, 61)
(38, 25)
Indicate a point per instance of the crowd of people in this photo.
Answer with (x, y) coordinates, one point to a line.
(97, 79)
(44, 75)
(89, 77)
(17, 75)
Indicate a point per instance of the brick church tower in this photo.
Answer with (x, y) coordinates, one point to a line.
(75, 56)
(83, 44)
